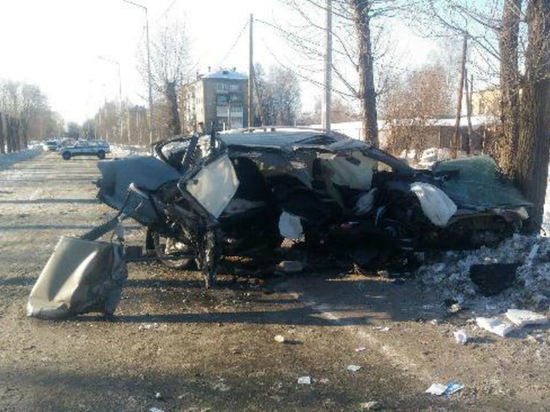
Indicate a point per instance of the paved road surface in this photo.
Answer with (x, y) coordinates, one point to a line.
(214, 351)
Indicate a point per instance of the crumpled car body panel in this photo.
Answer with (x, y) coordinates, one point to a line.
(479, 185)
(81, 276)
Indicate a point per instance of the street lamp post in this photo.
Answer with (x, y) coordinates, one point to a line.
(148, 71)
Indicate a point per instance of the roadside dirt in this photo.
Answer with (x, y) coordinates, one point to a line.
(215, 350)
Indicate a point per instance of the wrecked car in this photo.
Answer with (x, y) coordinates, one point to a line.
(242, 193)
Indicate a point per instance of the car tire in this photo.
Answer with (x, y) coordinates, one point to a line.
(66, 155)
(158, 241)
(101, 154)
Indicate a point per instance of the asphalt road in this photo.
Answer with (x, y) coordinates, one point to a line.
(175, 347)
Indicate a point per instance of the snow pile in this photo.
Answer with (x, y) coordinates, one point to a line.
(9, 159)
(450, 274)
(125, 151)
(428, 156)
(433, 155)
(546, 217)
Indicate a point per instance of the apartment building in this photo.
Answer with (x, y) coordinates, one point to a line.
(219, 97)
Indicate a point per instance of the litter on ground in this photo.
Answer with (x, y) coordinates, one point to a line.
(523, 318)
(439, 389)
(461, 337)
(495, 325)
(304, 380)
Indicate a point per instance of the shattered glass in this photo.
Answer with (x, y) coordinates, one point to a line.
(479, 184)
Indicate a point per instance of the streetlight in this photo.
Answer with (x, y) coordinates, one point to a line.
(119, 94)
(148, 71)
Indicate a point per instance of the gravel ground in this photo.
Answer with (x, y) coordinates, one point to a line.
(175, 347)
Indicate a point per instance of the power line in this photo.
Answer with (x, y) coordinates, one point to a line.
(306, 78)
(234, 44)
(165, 11)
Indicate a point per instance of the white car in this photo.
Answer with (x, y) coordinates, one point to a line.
(50, 145)
(97, 148)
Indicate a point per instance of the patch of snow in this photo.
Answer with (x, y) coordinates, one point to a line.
(449, 274)
(546, 217)
(9, 159)
(523, 318)
(121, 151)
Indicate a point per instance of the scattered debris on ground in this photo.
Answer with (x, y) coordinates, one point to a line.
(371, 406)
(492, 280)
(522, 318)
(461, 337)
(439, 389)
(495, 325)
(304, 380)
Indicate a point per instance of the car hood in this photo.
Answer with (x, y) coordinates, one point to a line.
(477, 183)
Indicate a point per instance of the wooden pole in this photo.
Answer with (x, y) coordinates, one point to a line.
(327, 96)
(456, 139)
(2, 135)
(251, 74)
(468, 89)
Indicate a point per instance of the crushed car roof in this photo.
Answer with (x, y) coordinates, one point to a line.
(291, 138)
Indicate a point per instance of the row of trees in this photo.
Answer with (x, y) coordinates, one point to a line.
(24, 115)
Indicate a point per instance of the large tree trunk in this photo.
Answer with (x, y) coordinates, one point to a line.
(17, 134)
(531, 162)
(2, 135)
(9, 134)
(509, 85)
(367, 93)
(25, 133)
(172, 98)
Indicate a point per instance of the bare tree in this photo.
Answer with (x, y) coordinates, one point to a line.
(279, 96)
(27, 115)
(413, 105)
(355, 48)
(171, 68)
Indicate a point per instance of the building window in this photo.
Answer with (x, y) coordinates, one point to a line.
(221, 87)
(236, 111)
(222, 99)
(234, 88)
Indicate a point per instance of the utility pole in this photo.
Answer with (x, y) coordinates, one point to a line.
(251, 74)
(327, 97)
(456, 138)
(151, 117)
(469, 89)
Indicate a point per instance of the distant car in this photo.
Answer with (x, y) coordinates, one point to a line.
(50, 146)
(97, 148)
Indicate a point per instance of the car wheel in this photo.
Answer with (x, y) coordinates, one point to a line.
(66, 155)
(101, 154)
(167, 249)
